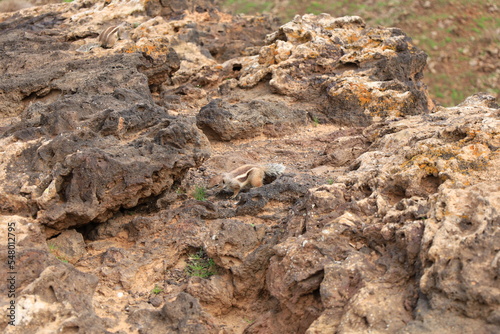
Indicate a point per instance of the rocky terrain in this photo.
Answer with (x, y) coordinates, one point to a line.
(461, 37)
(386, 220)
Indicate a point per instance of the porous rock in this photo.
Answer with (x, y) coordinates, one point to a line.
(223, 121)
(403, 209)
(181, 313)
(243, 250)
(96, 145)
(351, 73)
(217, 290)
(63, 295)
(459, 257)
(69, 246)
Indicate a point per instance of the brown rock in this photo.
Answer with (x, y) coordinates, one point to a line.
(60, 299)
(68, 246)
(222, 121)
(395, 231)
(181, 313)
(353, 74)
(459, 245)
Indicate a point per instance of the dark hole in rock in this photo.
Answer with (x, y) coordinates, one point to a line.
(454, 135)
(395, 193)
(351, 65)
(366, 190)
(89, 231)
(54, 236)
(465, 224)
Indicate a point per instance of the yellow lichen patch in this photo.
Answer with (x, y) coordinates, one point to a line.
(130, 49)
(364, 100)
(430, 155)
(372, 44)
(450, 159)
(312, 55)
(428, 168)
(474, 151)
(353, 38)
(389, 47)
(362, 92)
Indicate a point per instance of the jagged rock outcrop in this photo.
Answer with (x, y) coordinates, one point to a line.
(336, 69)
(352, 73)
(90, 139)
(386, 219)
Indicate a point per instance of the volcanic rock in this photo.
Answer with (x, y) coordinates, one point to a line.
(385, 220)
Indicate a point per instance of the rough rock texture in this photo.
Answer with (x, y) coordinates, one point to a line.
(85, 114)
(357, 72)
(378, 237)
(180, 314)
(386, 219)
(221, 121)
(68, 246)
(59, 300)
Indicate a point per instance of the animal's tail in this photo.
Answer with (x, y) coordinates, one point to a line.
(274, 170)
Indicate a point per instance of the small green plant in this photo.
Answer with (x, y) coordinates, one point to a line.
(156, 290)
(54, 250)
(315, 121)
(62, 259)
(67, 0)
(200, 193)
(330, 181)
(200, 265)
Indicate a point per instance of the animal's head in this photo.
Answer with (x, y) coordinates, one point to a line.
(216, 181)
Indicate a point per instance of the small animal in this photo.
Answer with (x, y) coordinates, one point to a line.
(246, 176)
(109, 36)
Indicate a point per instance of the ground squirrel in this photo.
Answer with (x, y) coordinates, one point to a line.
(109, 36)
(246, 176)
